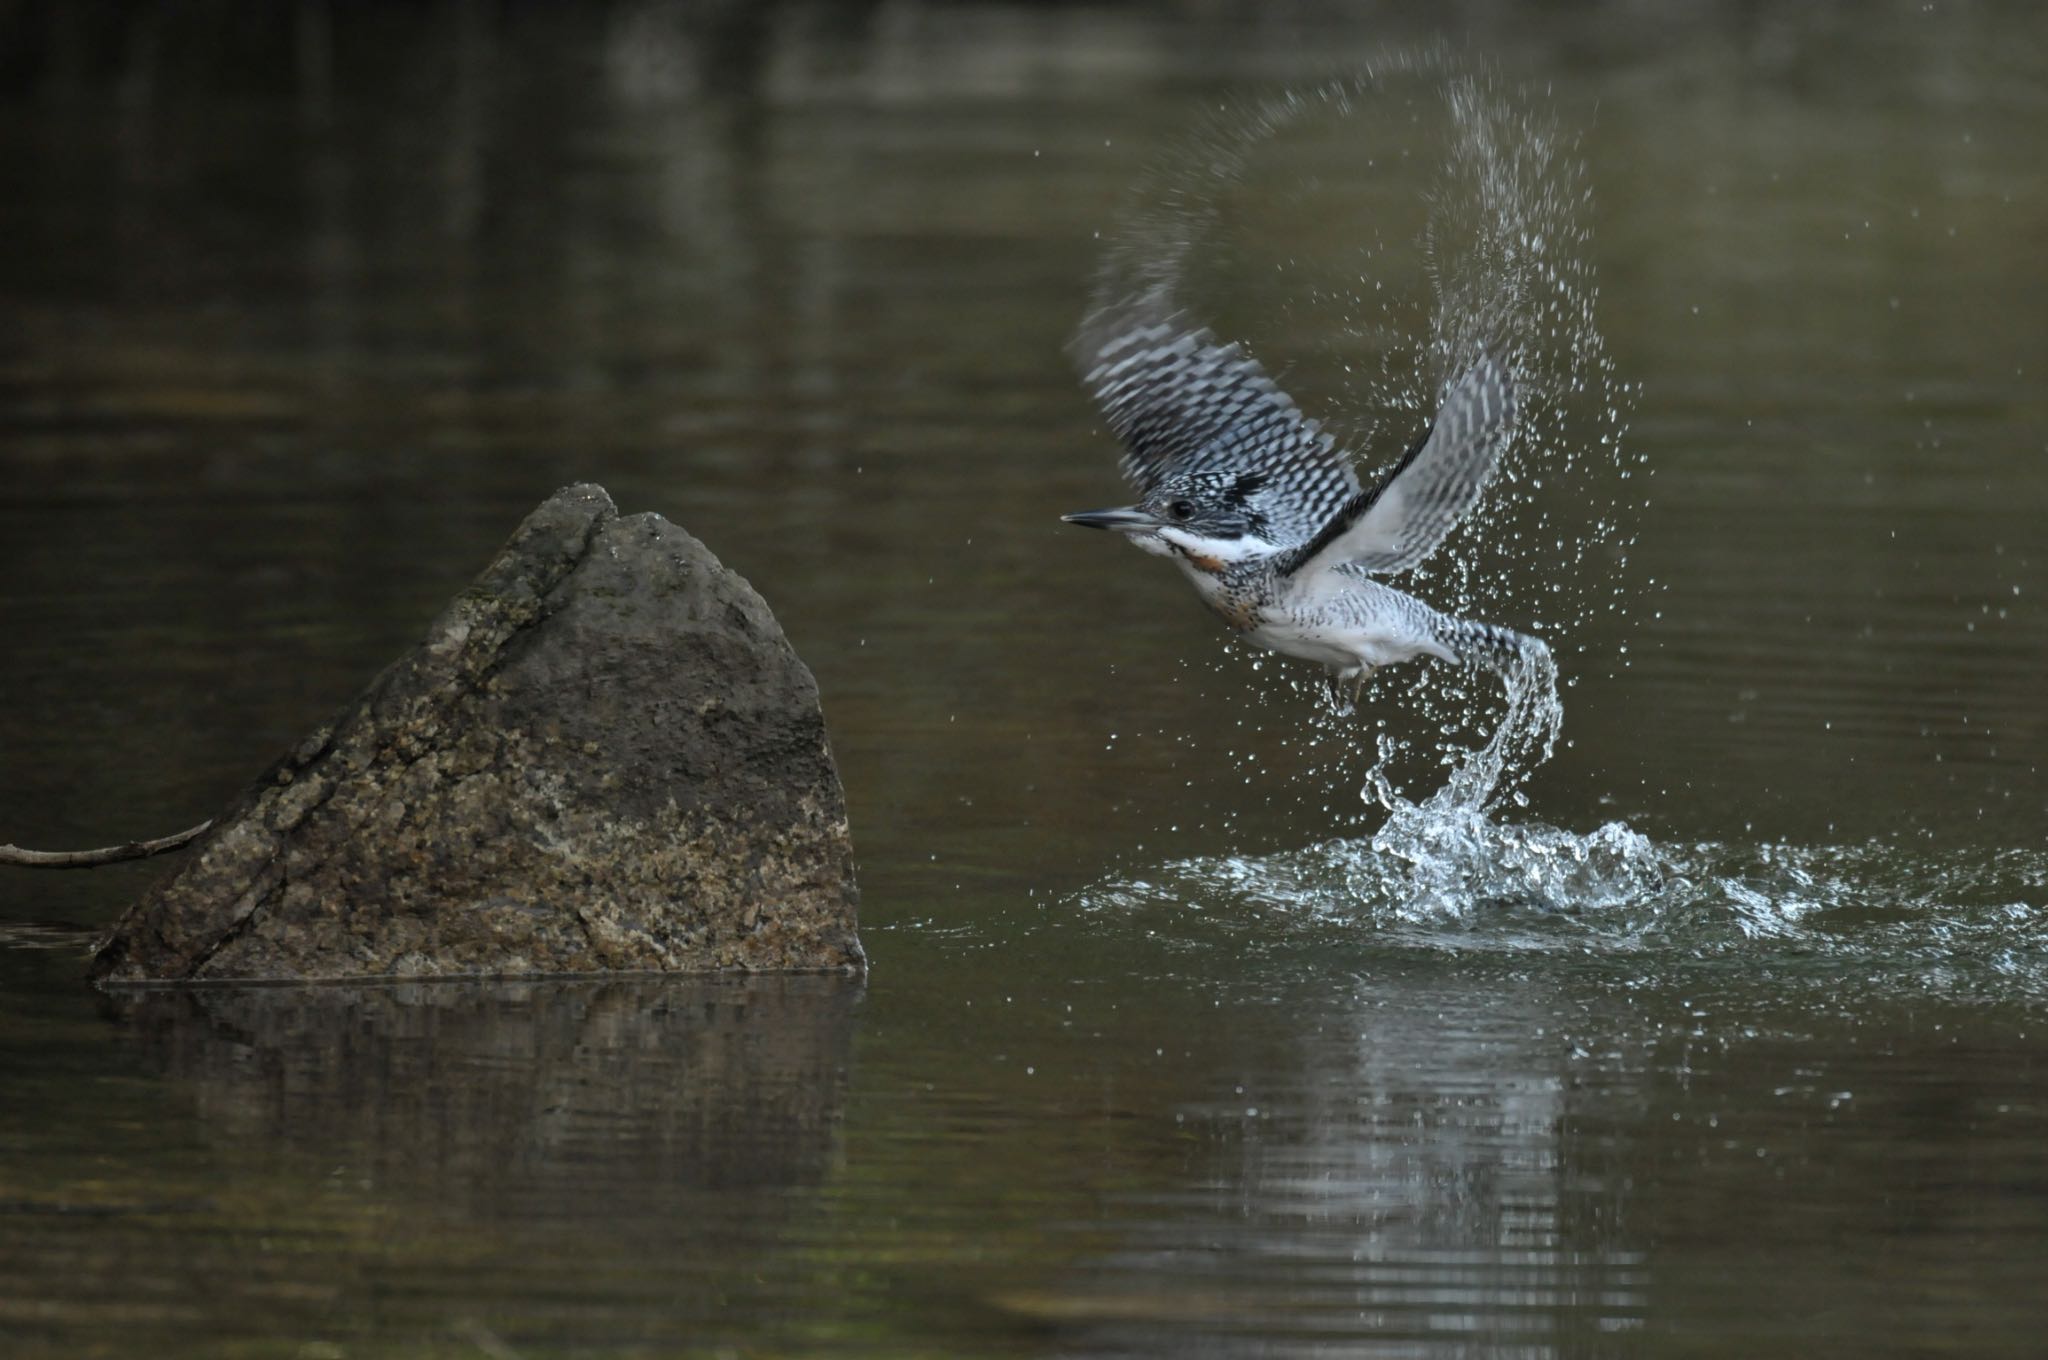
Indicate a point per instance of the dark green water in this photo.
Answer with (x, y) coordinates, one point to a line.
(302, 307)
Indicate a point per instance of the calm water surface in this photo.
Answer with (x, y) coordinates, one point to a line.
(301, 307)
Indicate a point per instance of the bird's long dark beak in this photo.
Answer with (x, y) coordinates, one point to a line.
(1127, 518)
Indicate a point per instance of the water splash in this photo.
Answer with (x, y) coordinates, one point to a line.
(1446, 851)
(1886, 915)
(1497, 256)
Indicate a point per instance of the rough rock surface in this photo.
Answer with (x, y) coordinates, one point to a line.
(604, 756)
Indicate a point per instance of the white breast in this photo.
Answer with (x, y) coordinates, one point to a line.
(1349, 622)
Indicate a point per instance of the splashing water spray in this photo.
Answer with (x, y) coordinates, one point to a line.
(1460, 225)
(1494, 261)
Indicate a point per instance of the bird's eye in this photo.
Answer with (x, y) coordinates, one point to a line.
(1182, 510)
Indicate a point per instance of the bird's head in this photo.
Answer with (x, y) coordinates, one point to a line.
(1211, 519)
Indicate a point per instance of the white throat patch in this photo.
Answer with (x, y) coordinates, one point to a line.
(1229, 551)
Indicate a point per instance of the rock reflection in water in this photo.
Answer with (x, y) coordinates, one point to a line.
(535, 1100)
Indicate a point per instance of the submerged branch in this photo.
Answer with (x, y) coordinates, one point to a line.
(106, 854)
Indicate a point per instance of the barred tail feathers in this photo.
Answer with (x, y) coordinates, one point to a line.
(1498, 649)
(1529, 729)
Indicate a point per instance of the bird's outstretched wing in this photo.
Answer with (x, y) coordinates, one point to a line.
(1185, 403)
(1399, 523)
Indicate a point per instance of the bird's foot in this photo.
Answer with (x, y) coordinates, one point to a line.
(1346, 688)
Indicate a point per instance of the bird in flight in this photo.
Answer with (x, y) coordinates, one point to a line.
(1265, 515)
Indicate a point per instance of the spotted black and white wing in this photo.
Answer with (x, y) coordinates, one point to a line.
(1184, 403)
(1400, 522)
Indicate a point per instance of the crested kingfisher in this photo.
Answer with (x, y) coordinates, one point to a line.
(1260, 510)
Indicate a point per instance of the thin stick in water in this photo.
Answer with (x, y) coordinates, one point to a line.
(106, 854)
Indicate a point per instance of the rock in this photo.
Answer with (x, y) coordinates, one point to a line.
(604, 756)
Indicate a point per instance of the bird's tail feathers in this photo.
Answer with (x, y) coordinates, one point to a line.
(1529, 727)
(1498, 649)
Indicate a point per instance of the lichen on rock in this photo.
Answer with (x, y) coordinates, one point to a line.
(604, 756)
